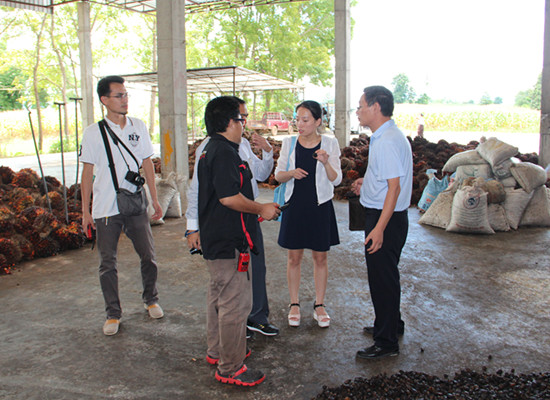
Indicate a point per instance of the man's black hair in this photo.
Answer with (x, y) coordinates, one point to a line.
(104, 85)
(313, 107)
(241, 101)
(382, 96)
(219, 112)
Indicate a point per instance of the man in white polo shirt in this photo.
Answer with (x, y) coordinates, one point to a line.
(131, 149)
(385, 192)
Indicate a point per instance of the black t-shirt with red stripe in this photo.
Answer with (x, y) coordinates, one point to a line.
(222, 173)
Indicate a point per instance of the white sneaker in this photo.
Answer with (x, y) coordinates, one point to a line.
(110, 327)
(155, 311)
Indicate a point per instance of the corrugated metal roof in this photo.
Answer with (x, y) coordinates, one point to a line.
(147, 6)
(219, 80)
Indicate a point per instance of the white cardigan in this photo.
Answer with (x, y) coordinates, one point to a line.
(324, 187)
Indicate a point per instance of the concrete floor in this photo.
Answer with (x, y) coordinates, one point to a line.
(468, 302)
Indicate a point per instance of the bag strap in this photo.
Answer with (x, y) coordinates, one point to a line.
(109, 154)
(292, 143)
(117, 140)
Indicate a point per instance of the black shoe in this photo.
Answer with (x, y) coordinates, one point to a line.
(243, 377)
(377, 352)
(369, 330)
(267, 329)
(249, 333)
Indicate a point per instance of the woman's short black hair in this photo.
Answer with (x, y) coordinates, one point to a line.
(219, 112)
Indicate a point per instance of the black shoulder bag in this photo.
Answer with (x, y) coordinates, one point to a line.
(129, 204)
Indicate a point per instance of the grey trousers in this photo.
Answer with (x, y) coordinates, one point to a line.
(139, 232)
(228, 304)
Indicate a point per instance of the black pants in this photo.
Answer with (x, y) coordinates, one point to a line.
(382, 267)
(260, 305)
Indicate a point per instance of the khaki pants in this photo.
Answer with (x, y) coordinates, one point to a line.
(228, 304)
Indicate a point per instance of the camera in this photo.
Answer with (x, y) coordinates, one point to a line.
(135, 178)
(195, 251)
(244, 259)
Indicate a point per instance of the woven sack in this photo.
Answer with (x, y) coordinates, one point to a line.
(174, 208)
(469, 212)
(528, 175)
(476, 170)
(515, 203)
(495, 151)
(497, 218)
(439, 213)
(537, 212)
(502, 170)
(509, 182)
(467, 157)
(432, 190)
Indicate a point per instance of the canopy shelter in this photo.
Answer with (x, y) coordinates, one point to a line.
(146, 6)
(230, 79)
(219, 80)
(172, 73)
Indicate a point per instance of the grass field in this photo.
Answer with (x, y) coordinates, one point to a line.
(463, 118)
(16, 137)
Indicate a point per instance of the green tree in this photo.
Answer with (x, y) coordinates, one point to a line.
(498, 100)
(290, 41)
(423, 99)
(485, 100)
(11, 84)
(402, 91)
(536, 94)
(530, 97)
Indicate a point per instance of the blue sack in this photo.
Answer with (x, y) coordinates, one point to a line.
(431, 191)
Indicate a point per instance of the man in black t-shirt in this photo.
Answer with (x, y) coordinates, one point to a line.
(226, 224)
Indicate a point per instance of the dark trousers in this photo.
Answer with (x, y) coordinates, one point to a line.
(382, 267)
(260, 306)
(138, 230)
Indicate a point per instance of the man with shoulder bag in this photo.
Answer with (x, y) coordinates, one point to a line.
(116, 148)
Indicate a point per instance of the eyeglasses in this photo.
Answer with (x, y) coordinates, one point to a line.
(241, 120)
(358, 108)
(120, 96)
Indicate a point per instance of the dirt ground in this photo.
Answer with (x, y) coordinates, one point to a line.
(467, 301)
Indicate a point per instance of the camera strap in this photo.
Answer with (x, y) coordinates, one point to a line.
(116, 141)
(102, 125)
(109, 154)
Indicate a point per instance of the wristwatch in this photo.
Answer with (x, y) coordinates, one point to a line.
(187, 233)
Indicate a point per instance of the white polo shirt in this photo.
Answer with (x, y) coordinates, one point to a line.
(136, 137)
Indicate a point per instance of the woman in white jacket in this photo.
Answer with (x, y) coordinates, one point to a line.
(309, 221)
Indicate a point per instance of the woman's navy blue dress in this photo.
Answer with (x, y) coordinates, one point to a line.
(306, 224)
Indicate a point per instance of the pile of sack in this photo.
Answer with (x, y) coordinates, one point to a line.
(489, 191)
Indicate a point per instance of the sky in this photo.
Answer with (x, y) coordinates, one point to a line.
(455, 50)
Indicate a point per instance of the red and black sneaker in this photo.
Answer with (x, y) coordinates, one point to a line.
(214, 361)
(243, 377)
